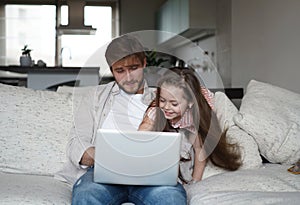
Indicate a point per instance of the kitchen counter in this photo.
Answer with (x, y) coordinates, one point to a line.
(21, 69)
(42, 78)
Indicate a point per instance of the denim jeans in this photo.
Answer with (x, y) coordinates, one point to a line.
(85, 191)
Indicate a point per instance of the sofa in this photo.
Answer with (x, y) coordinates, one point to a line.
(34, 133)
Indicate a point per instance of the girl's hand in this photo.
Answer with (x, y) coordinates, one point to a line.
(148, 122)
(146, 125)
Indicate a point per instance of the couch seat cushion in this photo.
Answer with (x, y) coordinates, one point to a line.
(33, 189)
(251, 186)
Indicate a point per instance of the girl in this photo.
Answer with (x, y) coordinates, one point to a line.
(181, 106)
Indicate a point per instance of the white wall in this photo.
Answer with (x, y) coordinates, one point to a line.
(193, 52)
(266, 42)
(223, 40)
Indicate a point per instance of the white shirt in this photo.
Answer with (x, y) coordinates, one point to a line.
(126, 113)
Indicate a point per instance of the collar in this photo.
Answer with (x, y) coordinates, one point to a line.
(186, 122)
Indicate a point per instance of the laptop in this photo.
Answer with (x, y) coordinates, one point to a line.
(137, 157)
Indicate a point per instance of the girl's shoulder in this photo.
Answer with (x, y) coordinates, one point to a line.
(208, 95)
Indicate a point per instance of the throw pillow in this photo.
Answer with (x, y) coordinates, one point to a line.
(34, 130)
(224, 109)
(271, 115)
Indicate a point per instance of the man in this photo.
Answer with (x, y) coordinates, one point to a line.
(116, 105)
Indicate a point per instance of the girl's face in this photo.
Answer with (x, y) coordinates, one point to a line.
(172, 102)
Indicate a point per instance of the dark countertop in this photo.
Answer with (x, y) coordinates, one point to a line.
(54, 69)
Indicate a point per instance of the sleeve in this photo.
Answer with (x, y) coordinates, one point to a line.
(151, 113)
(148, 121)
(82, 132)
(209, 96)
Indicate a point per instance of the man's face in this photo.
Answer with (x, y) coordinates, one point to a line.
(129, 75)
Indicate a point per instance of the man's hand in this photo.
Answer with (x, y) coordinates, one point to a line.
(88, 157)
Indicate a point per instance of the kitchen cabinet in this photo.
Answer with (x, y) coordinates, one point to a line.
(189, 18)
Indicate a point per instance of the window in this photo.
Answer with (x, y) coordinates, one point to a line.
(34, 25)
(76, 49)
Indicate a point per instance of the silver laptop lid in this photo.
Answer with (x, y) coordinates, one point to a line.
(137, 157)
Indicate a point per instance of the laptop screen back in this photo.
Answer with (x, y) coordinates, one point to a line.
(137, 157)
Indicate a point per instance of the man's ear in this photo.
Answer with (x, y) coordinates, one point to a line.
(145, 62)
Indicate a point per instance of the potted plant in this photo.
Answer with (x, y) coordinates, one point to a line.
(153, 59)
(25, 59)
(155, 62)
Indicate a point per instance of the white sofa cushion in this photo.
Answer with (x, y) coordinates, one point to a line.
(80, 91)
(34, 130)
(235, 187)
(249, 149)
(272, 116)
(224, 109)
(29, 189)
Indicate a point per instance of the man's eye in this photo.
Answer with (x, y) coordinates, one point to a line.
(119, 70)
(174, 104)
(134, 67)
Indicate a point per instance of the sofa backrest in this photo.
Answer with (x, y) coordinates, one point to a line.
(34, 130)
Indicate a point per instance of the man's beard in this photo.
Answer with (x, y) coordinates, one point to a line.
(136, 89)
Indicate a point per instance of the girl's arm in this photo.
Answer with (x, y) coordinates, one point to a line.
(147, 124)
(149, 117)
(199, 166)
